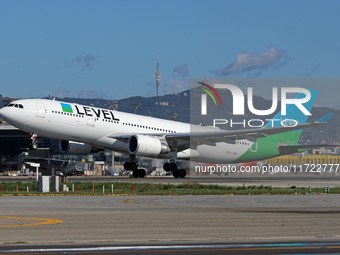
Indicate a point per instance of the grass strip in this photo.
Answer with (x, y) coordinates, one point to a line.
(191, 188)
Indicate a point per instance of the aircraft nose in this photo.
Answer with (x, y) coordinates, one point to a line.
(1, 111)
(4, 113)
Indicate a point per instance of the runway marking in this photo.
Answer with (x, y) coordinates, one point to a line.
(179, 248)
(282, 211)
(45, 221)
(132, 201)
(175, 206)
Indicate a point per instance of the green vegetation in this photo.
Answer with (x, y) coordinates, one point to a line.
(85, 188)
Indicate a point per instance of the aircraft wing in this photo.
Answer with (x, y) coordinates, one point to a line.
(212, 137)
(183, 140)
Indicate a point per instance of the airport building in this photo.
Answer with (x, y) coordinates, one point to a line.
(305, 159)
(15, 153)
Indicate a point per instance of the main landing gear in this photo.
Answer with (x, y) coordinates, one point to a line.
(173, 167)
(132, 165)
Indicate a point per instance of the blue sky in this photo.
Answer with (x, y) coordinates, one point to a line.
(109, 48)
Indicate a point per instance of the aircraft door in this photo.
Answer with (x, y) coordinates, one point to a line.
(90, 121)
(253, 148)
(40, 110)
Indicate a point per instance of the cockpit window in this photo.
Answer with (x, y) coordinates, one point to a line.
(16, 106)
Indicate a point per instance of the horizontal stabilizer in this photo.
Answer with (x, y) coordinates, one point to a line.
(287, 149)
(325, 118)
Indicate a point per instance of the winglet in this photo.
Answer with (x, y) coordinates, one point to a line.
(325, 118)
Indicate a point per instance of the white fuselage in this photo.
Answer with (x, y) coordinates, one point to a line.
(97, 126)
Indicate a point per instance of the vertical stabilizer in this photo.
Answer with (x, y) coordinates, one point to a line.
(293, 116)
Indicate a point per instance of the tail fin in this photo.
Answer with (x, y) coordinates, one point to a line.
(295, 115)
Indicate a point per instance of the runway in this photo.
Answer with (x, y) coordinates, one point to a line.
(169, 218)
(94, 222)
(284, 180)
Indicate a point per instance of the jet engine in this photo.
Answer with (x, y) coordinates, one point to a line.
(74, 148)
(144, 145)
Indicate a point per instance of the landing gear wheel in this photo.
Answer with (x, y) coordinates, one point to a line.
(135, 173)
(182, 173)
(166, 167)
(130, 165)
(142, 173)
(175, 174)
(173, 166)
(139, 173)
(33, 146)
(133, 166)
(127, 165)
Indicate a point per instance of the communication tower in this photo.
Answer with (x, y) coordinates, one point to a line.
(158, 74)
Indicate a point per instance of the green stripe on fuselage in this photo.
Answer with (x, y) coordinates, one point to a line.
(267, 146)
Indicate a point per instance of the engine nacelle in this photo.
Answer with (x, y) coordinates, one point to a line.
(74, 148)
(144, 145)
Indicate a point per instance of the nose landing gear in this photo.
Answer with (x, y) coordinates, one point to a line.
(33, 145)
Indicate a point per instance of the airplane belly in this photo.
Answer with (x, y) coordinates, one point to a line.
(222, 153)
(57, 128)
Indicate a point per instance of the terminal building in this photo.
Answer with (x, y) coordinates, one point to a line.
(15, 155)
(305, 159)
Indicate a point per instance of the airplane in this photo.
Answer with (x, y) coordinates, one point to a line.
(85, 129)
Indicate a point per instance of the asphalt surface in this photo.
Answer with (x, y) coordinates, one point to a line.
(130, 221)
(283, 224)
